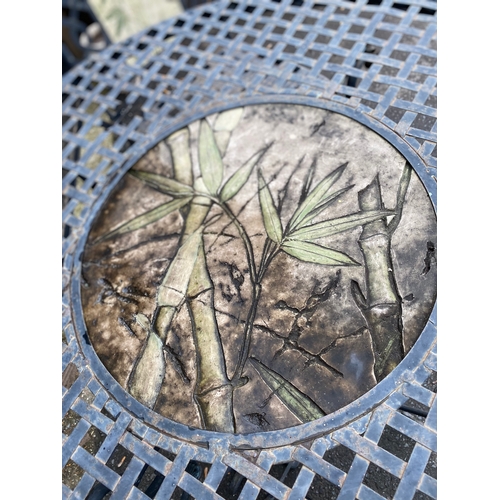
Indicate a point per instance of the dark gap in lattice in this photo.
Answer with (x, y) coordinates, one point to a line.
(285, 473)
(240, 22)
(70, 375)
(347, 44)
(434, 152)
(104, 69)
(425, 10)
(152, 85)
(231, 485)
(268, 13)
(77, 103)
(70, 421)
(116, 55)
(431, 101)
(175, 56)
(389, 70)
(417, 77)
(289, 49)
(382, 34)
(424, 122)
(332, 25)
(366, 15)
(64, 96)
(223, 19)
(71, 474)
(197, 27)
(327, 74)
(128, 144)
(300, 34)
(77, 80)
(395, 114)
(396, 443)
(91, 85)
(356, 29)
(119, 459)
(380, 481)
(98, 492)
(309, 20)
(149, 481)
(370, 104)
(66, 231)
(179, 23)
(319, 6)
(400, 6)
(427, 61)
(232, 5)
(249, 9)
(342, 11)
(374, 2)
(341, 457)
(108, 414)
(213, 31)
(409, 39)
(249, 39)
(92, 440)
(378, 88)
(399, 55)
(77, 180)
(415, 410)
(313, 54)
(431, 467)
(142, 46)
(186, 41)
(321, 488)
(391, 19)
(288, 16)
(230, 35)
(181, 74)
(323, 39)
(421, 496)
(89, 65)
(259, 26)
(151, 33)
(278, 62)
(64, 339)
(279, 30)
(164, 70)
(298, 3)
(406, 95)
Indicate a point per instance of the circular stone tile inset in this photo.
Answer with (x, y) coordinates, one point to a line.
(260, 268)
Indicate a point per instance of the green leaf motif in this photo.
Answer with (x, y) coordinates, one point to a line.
(339, 225)
(212, 169)
(317, 196)
(272, 222)
(240, 177)
(163, 184)
(147, 218)
(296, 401)
(317, 254)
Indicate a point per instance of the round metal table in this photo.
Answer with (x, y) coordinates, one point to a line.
(373, 61)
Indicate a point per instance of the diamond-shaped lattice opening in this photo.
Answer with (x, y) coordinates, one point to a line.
(380, 481)
(415, 410)
(340, 457)
(319, 6)
(431, 101)
(87, 395)
(431, 467)
(356, 28)
(400, 6)
(431, 382)
(199, 470)
(285, 473)
(119, 459)
(427, 61)
(406, 95)
(394, 114)
(92, 440)
(321, 488)
(99, 491)
(417, 77)
(399, 55)
(421, 496)
(425, 10)
(71, 474)
(300, 34)
(149, 481)
(70, 421)
(231, 485)
(391, 19)
(70, 375)
(434, 152)
(396, 443)
(370, 104)
(424, 122)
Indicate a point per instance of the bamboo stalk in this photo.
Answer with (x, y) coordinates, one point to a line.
(382, 306)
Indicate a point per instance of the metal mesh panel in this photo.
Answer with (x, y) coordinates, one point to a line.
(374, 59)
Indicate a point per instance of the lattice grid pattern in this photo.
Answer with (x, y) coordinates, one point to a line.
(374, 57)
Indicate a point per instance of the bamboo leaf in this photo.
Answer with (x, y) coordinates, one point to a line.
(317, 196)
(163, 184)
(228, 120)
(272, 222)
(323, 206)
(147, 218)
(212, 169)
(240, 177)
(404, 182)
(339, 225)
(296, 401)
(172, 291)
(317, 254)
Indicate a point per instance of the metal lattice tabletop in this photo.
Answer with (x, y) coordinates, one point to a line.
(372, 61)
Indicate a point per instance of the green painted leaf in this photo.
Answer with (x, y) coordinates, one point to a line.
(227, 120)
(240, 177)
(317, 196)
(335, 226)
(317, 254)
(272, 222)
(212, 169)
(327, 203)
(163, 184)
(147, 218)
(303, 407)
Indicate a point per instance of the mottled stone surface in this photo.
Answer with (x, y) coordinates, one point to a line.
(308, 329)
